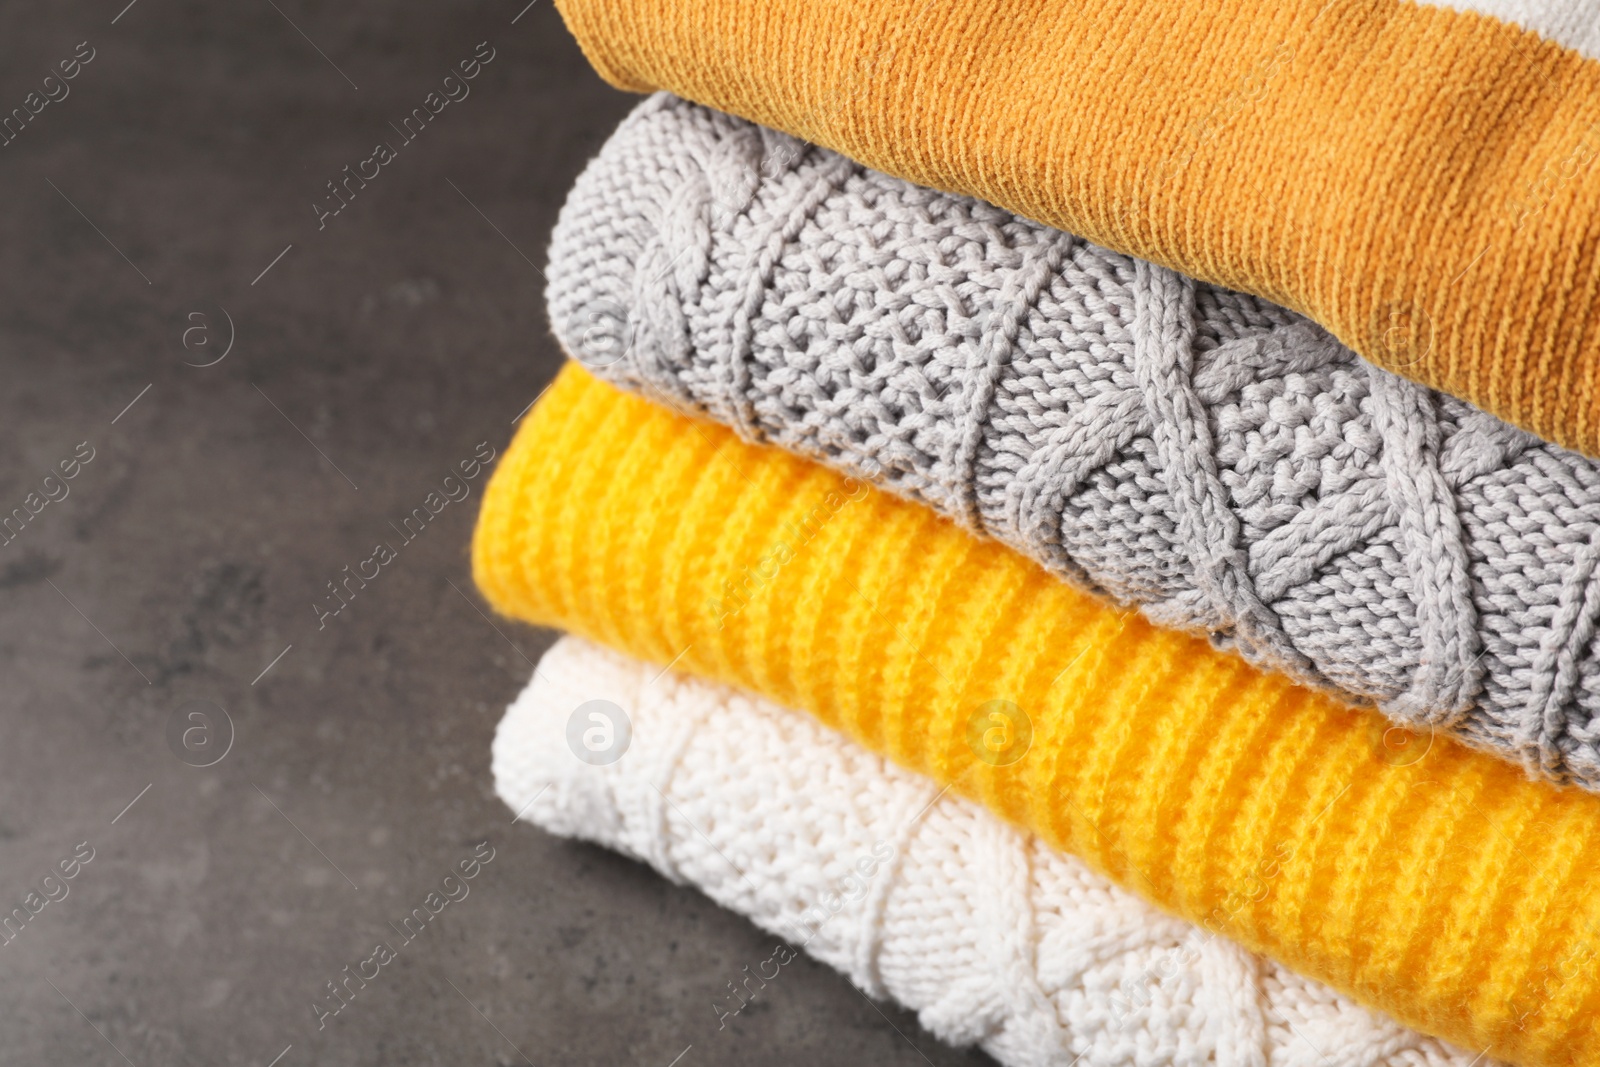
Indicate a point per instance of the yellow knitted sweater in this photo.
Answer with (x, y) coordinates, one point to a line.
(1432, 882)
(1419, 180)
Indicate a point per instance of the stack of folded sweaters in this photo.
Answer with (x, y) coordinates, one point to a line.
(1121, 579)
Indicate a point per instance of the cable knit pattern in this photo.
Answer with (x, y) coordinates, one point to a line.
(990, 935)
(1215, 459)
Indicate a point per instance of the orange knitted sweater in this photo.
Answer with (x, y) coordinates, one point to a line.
(1419, 180)
(1432, 882)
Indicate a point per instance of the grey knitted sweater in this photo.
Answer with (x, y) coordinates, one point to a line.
(1217, 460)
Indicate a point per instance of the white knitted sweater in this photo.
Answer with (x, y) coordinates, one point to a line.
(915, 894)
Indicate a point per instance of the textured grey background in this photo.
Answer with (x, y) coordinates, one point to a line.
(190, 550)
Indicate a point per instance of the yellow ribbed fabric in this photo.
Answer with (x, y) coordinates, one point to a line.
(1420, 181)
(1450, 891)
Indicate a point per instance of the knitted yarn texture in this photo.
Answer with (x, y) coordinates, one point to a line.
(1419, 181)
(1436, 884)
(1570, 23)
(914, 893)
(1219, 461)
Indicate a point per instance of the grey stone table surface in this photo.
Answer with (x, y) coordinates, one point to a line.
(172, 197)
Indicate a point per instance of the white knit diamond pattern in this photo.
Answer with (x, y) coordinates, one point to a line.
(991, 937)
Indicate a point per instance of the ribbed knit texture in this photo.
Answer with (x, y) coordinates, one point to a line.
(914, 893)
(1204, 454)
(1418, 180)
(1448, 891)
